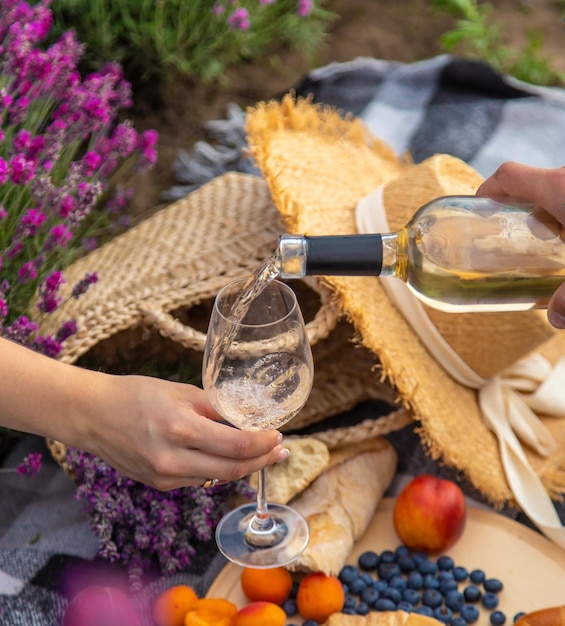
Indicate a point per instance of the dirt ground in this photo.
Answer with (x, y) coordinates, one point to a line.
(400, 30)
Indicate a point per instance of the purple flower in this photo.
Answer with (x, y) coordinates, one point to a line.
(239, 19)
(27, 272)
(304, 7)
(142, 527)
(82, 285)
(30, 465)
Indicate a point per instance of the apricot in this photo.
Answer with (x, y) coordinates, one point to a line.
(319, 595)
(170, 606)
(260, 614)
(266, 585)
(211, 612)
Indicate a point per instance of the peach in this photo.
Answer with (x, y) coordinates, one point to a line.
(429, 514)
(101, 605)
(266, 585)
(171, 605)
(260, 614)
(318, 596)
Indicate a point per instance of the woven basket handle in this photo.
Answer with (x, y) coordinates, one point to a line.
(168, 326)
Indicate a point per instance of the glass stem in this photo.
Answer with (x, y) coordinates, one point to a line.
(262, 507)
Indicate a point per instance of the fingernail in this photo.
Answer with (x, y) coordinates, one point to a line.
(280, 438)
(283, 455)
(557, 320)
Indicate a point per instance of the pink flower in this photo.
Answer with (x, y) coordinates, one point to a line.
(239, 19)
(27, 272)
(304, 7)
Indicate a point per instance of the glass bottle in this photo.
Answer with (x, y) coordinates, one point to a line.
(457, 253)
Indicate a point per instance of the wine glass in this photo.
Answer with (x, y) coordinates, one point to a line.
(258, 372)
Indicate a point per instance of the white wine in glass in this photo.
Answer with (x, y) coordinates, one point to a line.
(258, 371)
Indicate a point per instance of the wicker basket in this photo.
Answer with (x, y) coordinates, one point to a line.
(181, 257)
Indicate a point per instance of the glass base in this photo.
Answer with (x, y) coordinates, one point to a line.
(275, 543)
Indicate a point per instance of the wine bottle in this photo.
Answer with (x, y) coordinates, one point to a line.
(457, 253)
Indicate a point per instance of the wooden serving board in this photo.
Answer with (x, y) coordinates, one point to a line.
(531, 567)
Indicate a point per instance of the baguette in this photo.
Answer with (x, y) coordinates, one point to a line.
(554, 616)
(341, 502)
(382, 618)
(308, 458)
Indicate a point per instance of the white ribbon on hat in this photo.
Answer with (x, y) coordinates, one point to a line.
(507, 400)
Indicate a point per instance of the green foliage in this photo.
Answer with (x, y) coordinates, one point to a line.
(477, 34)
(158, 39)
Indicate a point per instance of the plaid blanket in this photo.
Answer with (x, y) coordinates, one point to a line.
(444, 104)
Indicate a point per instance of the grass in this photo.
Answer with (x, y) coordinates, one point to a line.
(478, 35)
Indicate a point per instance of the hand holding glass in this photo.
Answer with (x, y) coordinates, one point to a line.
(258, 372)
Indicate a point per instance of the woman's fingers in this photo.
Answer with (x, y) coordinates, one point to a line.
(545, 187)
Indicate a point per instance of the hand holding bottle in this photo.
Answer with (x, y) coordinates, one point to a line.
(546, 188)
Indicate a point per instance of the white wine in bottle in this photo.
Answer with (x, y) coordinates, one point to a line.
(457, 253)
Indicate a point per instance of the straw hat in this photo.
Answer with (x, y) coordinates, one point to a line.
(318, 165)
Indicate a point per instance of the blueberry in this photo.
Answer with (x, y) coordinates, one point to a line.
(368, 561)
(493, 585)
(445, 575)
(497, 618)
(362, 608)
(381, 585)
(310, 622)
(431, 582)
(518, 616)
(472, 593)
(406, 563)
(348, 573)
(387, 571)
(424, 610)
(402, 550)
(412, 596)
(443, 614)
(289, 607)
(470, 613)
(420, 556)
(458, 621)
(349, 602)
(447, 584)
(415, 580)
(357, 586)
(427, 567)
(293, 590)
(392, 594)
(460, 574)
(407, 607)
(385, 604)
(388, 556)
(454, 600)
(367, 579)
(490, 600)
(445, 562)
(348, 611)
(397, 582)
(370, 596)
(477, 576)
(432, 598)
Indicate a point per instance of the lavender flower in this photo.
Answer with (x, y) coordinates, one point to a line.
(61, 145)
(30, 465)
(143, 527)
